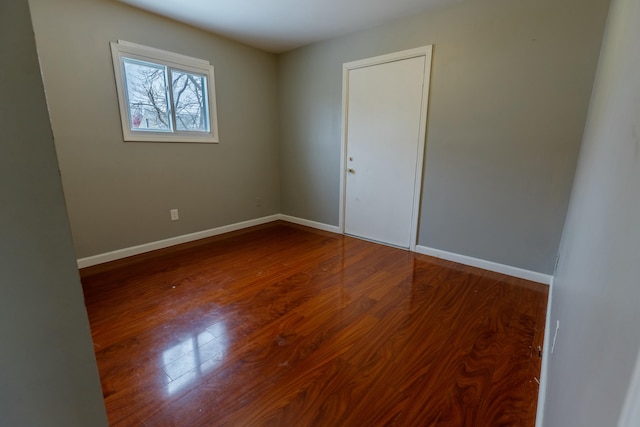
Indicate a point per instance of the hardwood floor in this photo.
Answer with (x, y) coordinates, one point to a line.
(282, 325)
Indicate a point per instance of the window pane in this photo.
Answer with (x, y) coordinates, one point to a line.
(147, 96)
(190, 101)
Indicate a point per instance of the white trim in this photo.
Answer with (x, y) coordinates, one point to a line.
(425, 51)
(152, 53)
(422, 136)
(312, 224)
(486, 265)
(390, 57)
(546, 354)
(630, 416)
(160, 244)
(173, 61)
(343, 149)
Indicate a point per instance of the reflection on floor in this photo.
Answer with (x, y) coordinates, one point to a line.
(187, 361)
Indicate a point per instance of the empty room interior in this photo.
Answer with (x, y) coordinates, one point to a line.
(337, 213)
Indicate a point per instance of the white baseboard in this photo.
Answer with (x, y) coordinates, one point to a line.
(160, 244)
(546, 353)
(312, 224)
(486, 265)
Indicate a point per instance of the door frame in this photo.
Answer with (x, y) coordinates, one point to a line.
(423, 51)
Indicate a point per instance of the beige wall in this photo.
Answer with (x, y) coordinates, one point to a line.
(48, 373)
(510, 87)
(596, 293)
(119, 194)
(509, 93)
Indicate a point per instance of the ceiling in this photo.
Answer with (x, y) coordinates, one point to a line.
(281, 25)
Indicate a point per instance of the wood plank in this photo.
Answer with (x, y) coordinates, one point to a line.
(285, 325)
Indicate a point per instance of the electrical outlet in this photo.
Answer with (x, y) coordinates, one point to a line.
(174, 215)
(258, 202)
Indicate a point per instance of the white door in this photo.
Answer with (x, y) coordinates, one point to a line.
(384, 127)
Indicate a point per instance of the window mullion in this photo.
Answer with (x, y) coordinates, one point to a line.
(174, 124)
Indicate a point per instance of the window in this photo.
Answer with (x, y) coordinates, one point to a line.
(164, 96)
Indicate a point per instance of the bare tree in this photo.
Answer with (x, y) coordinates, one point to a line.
(149, 100)
(188, 100)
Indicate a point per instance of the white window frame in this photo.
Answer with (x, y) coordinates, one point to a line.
(123, 49)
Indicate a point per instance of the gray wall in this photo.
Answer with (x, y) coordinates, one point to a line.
(119, 194)
(48, 374)
(596, 294)
(510, 86)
